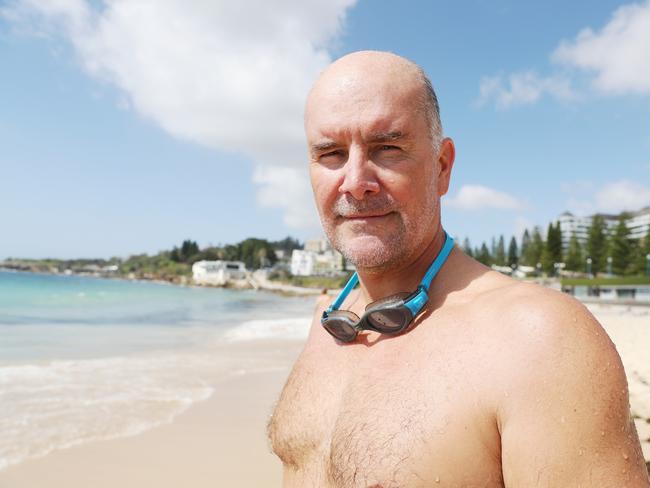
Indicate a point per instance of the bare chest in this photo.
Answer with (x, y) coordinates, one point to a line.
(392, 419)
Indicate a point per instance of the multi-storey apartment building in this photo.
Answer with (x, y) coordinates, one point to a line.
(638, 222)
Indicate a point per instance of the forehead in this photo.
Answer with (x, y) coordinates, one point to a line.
(349, 104)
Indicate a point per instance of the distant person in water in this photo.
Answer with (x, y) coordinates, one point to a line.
(435, 370)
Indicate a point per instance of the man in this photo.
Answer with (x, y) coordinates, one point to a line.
(495, 383)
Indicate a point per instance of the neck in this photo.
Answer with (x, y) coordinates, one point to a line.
(405, 277)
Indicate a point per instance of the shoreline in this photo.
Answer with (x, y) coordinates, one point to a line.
(220, 441)
(279, 288)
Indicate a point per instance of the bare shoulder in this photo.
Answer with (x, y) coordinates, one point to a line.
(537, 317)
(551, 337)
(561, 393)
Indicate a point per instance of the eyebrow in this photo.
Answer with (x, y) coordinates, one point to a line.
(386, 136)
(323, 146)
(374, 138)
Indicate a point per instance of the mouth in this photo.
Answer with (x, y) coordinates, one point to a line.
(372, 217)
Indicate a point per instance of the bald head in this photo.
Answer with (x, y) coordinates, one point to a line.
(377, 73)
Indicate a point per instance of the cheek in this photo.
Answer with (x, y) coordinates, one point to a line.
(325, 188)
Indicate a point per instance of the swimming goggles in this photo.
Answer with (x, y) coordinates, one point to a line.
(390, 315)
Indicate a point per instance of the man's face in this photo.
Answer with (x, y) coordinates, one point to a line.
(376, 176)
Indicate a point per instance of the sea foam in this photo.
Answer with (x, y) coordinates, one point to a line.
(287, 328)
(59, 404)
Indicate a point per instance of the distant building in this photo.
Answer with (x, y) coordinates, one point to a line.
(217, 273)
(310, 263)
(303, 262)
(638, 222)
(317, 245)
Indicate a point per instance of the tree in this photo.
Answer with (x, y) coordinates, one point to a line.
(187, 253)
(513, 253)
(256, 253)
(553, 248)
(597, 244)
(500, 252)
(525, 245)
(467, 247)
(621, 248)
(188, 250)
(640, 251)
(287, 244)
(175, 255)
(554, 242)
(230, 252)
(483, 255)
(574, 257)
(535, 248)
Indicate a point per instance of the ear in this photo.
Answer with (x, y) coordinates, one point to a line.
(446, 157)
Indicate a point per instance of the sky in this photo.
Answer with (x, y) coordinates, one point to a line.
(127, 127)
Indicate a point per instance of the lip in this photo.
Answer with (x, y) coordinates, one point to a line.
(366, 217)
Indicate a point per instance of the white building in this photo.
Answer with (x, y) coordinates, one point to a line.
(217, 273)
(302, 262)
(638, 222)
(318, 245)
(309, 263)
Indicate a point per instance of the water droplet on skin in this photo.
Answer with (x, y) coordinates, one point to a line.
(602, 433)
(625, 456)
(581, 452)
(437, 480)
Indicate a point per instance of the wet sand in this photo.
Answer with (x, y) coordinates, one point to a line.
(218, 442)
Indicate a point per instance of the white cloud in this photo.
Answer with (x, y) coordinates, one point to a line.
(477, 197)
(614, 198)
(523, 88)
(617, 57)
(286, 187)
(229, 75)
(619, 54)
(622, 195)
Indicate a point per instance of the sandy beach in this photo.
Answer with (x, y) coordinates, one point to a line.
(222, 442)
(217, 442)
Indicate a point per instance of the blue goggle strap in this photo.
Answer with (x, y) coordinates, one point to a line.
(352, 282)
(416, 304)
(438, 262)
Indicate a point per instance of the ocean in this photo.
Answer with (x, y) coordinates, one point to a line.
(85, 359)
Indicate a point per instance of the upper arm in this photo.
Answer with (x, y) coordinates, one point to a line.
(566, 421)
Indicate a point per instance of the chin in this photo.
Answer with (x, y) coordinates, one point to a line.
(370, 251)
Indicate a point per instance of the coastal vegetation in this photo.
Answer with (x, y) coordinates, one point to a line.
(605, 252)
(173, 265)
(607, 257)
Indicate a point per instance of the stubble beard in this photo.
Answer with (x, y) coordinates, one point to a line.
(381, 250)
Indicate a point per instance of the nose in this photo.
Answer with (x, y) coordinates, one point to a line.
(359, 179)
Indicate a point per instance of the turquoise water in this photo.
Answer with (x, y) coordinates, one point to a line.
(85, 359)
(52, 316)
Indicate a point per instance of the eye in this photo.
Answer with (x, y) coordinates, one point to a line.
(332, 157)
(387, 147)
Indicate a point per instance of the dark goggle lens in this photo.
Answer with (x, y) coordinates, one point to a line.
(391, 320)
(340, 329)
(340, 324)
